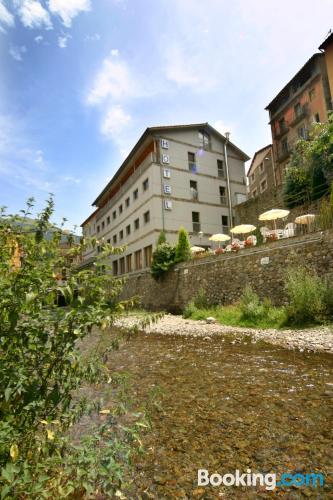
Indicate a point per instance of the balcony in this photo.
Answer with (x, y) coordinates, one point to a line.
(196, 227)
(223, 200)
(281, 132)
(284, 153)
(192, 166)
(302, 112)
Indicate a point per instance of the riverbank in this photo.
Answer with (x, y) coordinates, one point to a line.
(315, 339)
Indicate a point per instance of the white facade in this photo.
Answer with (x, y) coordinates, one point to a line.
(174, 176)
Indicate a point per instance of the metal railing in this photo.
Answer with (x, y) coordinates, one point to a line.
(196, 227)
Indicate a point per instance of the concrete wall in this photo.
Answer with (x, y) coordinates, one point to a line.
(224, 277)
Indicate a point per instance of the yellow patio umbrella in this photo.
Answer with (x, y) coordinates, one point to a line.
(243, 229)
(273, 214)
(219, 237)
(197, 249)
(305, 219)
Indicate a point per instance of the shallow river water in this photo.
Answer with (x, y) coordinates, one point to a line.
(228, 405)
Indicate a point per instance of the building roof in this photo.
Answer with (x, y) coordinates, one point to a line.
(153, 130)
(308, 62)
(258, 158)
(327, 41)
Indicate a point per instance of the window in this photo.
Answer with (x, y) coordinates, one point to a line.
(167, 205)
(165, 159)
(298, 109)
(263, 185)
(196, 222)
(108, 220)
(148, 252)
(114, 239)
(98, 229)
(261, 167)
(254, 194)
(128, 229)
(129, 262)
(312, 94)
(138, 259)
(115, 268)
(166, 173)
(167, 189)
(194, 190)
(302, 132)
(191, 162)
(145, 184)
(120, 209)
(127, 202)
(282, 125)
(223, 198)
(121, 234)
(103, 225)
(114, 215)
(285, 146)
(164, 144)
(122, 265)
(225, 224)
(220, 168)
(108, 241)
(317, 118)
(136, 224)
(135, 194)
(252, 178)
(204, 140)
(146, 217)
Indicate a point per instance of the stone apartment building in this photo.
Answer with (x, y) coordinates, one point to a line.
(174, 176)
(327, 48)
(304, 100)
(261, 174)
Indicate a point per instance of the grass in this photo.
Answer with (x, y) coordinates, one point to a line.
(270, 317)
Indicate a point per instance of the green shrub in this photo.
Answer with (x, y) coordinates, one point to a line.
(163, 259)
(250, 305)
(161, 238)
(183, 247)
(306, 292)
(189, 310)
(201, 301)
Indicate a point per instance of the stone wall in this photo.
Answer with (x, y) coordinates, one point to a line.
(249, 211)
(224, 277)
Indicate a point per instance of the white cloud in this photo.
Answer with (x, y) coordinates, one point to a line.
(113, 80)
(222, 127)
(38, 39)
(5, 16)
(68, 9)
(33, 14)
(185, 69)
(115, 121)
(62, 40)
(93, 38)
(115, 52)
(17, 52)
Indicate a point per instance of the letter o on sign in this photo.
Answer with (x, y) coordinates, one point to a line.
(228, 479)
(215, 480)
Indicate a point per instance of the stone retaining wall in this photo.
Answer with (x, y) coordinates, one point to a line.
(224, 277)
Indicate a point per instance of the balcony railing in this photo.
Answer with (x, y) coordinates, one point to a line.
(192, 166)
(300, 114)
(196, 227)
(223, 199)
(225, 229)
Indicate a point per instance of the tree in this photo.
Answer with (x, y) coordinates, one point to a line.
(161, 238)
(183, 248)
(163, 259)
(310, 170)
(40, 362)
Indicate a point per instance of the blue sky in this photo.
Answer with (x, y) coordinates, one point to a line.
(82, 79)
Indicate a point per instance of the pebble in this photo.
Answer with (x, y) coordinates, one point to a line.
(310, 339)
